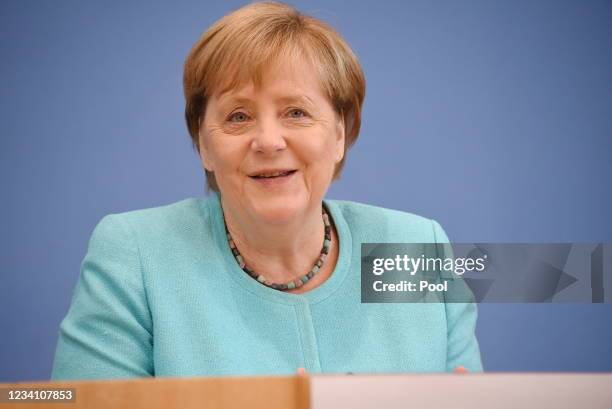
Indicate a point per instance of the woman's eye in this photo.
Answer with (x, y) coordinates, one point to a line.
(238, 117)
(296, 113)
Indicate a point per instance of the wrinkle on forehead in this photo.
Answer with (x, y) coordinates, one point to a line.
(267, 66)
(283, 84)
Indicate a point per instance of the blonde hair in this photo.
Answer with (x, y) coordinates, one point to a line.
(241, 45)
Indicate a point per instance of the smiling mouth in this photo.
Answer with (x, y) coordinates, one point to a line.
(274, 175)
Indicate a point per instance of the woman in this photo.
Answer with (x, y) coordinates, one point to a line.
(263, 276)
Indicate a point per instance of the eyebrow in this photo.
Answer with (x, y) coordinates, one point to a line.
(295, 98)
(285, 99)
(229, 99)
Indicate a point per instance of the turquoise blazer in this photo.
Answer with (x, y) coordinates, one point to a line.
(160, 294)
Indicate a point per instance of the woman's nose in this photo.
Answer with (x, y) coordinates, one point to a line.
(269, 137)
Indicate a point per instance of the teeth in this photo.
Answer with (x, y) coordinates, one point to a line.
(271, 175)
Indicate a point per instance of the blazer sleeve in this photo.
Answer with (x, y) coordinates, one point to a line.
(462, 345)
(107, 332)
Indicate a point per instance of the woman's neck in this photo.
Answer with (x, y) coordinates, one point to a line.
(280, 253)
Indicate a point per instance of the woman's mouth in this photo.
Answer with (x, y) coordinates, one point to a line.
(273, 178)
(271, 175)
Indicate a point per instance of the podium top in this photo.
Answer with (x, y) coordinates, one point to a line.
(511, 390)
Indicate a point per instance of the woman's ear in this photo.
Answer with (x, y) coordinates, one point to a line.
(202, 146)
(340, 137)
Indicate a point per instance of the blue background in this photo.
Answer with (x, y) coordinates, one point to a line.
(492, 117)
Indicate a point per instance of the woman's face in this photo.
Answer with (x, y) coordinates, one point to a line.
(273, 148)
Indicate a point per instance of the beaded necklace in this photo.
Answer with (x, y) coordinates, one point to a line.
(298, 282)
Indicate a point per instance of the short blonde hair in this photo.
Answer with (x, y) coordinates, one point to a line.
(241, 45)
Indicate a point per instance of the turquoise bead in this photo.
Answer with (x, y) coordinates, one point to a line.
(304, 279)
(327, 243)
(291, 285)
